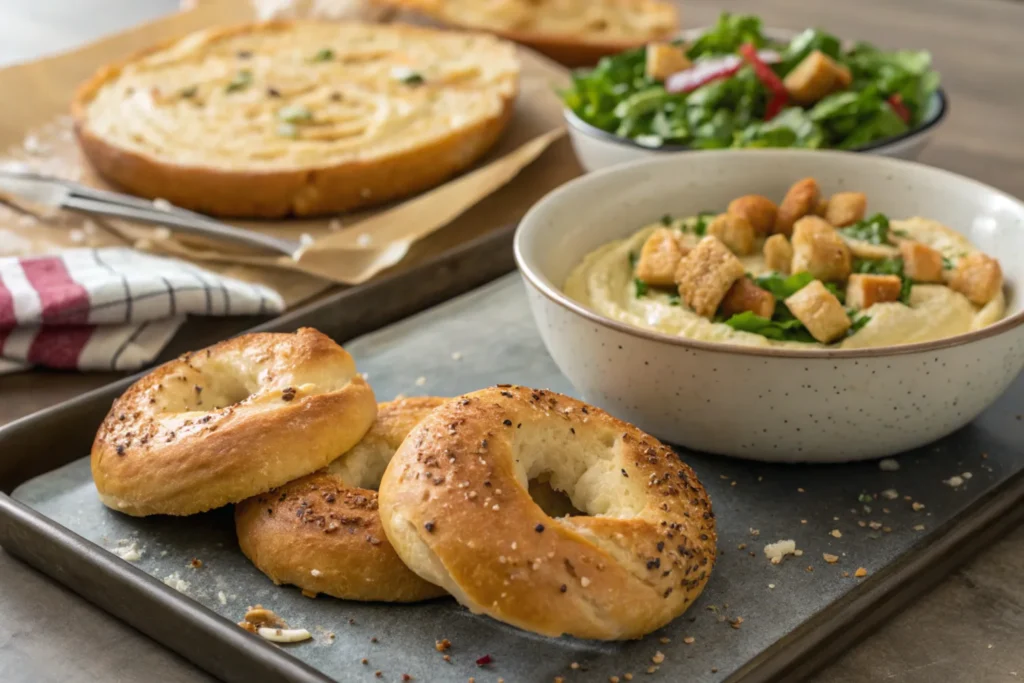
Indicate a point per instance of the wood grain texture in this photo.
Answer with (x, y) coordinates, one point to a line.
(49, 634)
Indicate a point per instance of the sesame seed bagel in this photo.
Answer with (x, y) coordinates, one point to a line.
(322, 533)
(573, 32)
(455, 504)
(229, 422)
(296, 117)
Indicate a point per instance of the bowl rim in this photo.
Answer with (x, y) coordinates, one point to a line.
(553, 293)
(575, 122)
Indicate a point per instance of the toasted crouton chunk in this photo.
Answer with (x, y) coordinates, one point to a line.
(665, 59)
(864, 291)
(846, 208)
(921, 263)
(778, 254)
(706, 274)
(760, 211)
(658, 258)
(801, 199)
(820, 312)
(978, 277)
(735, 231)
(744, 295)
(815, 77)
(819, 250)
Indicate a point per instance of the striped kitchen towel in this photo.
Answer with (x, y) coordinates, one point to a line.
(109, 309)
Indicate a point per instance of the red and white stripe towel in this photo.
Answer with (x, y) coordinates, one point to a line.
(109, 309)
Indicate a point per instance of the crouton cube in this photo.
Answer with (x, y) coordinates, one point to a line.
(846, 208)
(978, 277)
(864, 291)
(735, 231)
(921, 263)
(744, 295)
(706, 274)
(801, 199)
(815, 77)
(658, 258)
(778, 254)
(819, 250)
(760, 211)
(665, 59)
(820, 312)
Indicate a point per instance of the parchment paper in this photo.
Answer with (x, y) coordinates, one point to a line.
(862, 515)
(345, 249)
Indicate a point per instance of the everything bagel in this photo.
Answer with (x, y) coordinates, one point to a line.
(229, 422)
(322, 533)
(455, 504)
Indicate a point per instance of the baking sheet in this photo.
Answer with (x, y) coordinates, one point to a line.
(487, 337)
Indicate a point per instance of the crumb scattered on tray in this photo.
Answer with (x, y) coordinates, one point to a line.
(966, 475)
(175, 582)
(888, 465)
(736, 622)
(421, 381)
(196, 563)
(689, 640)
(129, 552)
(954, 481)
(861, 572)
(919, 527)
(222, 598)
(890, 494)
(831, 559)
(755, 532)
(442, 645)
(283, 635)
(456, 355)
(664, 641)
(775, 552)
(836, 533)
(771, 586)
(917, 506)
(658, 657)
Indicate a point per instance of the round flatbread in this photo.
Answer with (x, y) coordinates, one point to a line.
(574, 32)
(297, 117)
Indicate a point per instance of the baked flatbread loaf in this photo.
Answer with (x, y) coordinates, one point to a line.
(573, 32)
(297, 117)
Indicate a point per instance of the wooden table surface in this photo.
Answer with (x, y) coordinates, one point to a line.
(970, 629)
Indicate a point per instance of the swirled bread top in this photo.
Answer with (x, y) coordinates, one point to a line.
(283, 95)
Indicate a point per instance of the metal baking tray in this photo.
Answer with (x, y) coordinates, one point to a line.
(796, 616)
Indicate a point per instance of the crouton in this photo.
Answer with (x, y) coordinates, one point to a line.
(760, 211)
(800, 200)
(735, 231)
(778, 254)
(819, 250)
(658, 258)
(816, 76)
(978, 277)
(744, 295)
(921, 263)
(846, 208)
(706, 274)
(665, 59)
(820, 312)
(864, 291)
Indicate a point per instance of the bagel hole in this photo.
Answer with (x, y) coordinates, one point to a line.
(553, 502)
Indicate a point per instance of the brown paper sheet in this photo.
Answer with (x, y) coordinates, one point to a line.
(346, 249)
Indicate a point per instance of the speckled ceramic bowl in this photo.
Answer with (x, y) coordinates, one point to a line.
(597, 149)
(771, 404)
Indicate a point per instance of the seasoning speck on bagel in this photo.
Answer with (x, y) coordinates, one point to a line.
(229, 422)
(322, 532)
(636, 558)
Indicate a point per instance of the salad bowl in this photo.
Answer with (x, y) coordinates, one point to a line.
(604, 131)
(774, 404)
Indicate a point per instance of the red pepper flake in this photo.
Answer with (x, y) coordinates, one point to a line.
(406, 677)
(484, 661)
(896, 102)
(769, 79)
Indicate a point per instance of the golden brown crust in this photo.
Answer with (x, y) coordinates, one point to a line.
(226, 423)
(455, 508)
(276, 192)
(577, 47)
(323, 534)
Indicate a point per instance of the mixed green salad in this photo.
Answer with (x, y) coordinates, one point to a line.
(737, 88)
